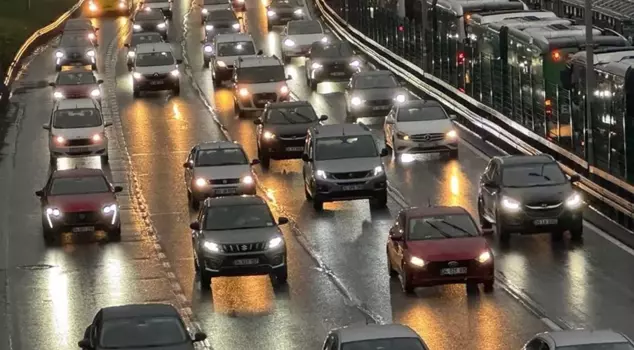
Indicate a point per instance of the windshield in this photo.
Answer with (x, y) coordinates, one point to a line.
(292, 115)
(375, 81)
(238, 48)
(76, 78)
(233, 217)
(415, 114)
(265, 74)
(152, 59)
(332, 50)
(76, 118)
(346, 147)
(78, 185)
(218, 157)
(149, 16)
(441, 226)
(304, 27)
(613, 346)
(527, 175)
(75, 25)
(142, 333)
(222, 16)
(75, 40)
(150, 38)
(385, 344)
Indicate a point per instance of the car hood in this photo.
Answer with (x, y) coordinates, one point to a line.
(149, 22)
(539, 195)
(258, 88)
(289, 129)
(425, 127)
(348, 165)
(184, 346)
(158, 5)
(81, 49)
(377, 94)
(249, 235)
(222, 172)
(81, 202)
(77, 133)
(448, 249)
(230, 60)
(76, 88)
(304, 39)
(155, 69)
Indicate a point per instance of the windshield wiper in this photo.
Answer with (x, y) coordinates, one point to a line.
(438, 229)
(286, 117)
(307, 118)
(540, 175)
(457, 227)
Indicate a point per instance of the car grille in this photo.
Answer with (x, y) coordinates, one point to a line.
(261, 100)
(427, 137)
(538, 210)
(76, 95)
(339, 67)
(378, 102)
(351, 175)
(244, 247)
(80, 142)
(149, 26)
(83, 217)
(224, 181)
(156, 76)
(74, 55)
(300, 137)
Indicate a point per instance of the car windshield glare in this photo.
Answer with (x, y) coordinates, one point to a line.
(416, 114)
(441, 227)
(152, 59)
(346, 147)
(149, 38)
(610, 346)
(75, 40)
(530, 175)
(292, 115)
(392, 343)
(375, 82)
(238, 48)
(332, 50)
(235, 217)
(304, 27)
(76, 78)
(62, 186)
(219, 157)
(76, 118)
(137, 332)
(259, 75)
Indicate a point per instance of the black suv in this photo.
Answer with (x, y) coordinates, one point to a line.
(529, 194)
(333, 61)
(282, 128)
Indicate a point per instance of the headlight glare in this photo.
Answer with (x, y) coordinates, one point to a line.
(131, 54)
(53, 212)
(209, 27)
(92, 7)
(160, 26)
(378, 170)
(136, 27)
(275, 242)
(289, 42)
(96, 137)
(299, 12)
(284, 90)
(247, 180)
(60, 139)
(400, 98)
(355, 101)
(205, 11)
(324, 39)
(200, 182)
(109, 209)
(58, 95)
(452, 134)
(59, 54)
(175, 73)
(208, 49)
(355, 63)
(211, 246)
(417, 261)
(510, 204)
(484, 257)
(316, 66)
(90, 53)
(137, 75)
(322, 174)
(91, 36)
(574, 201)
(95, 93)
(244, 92)
(268, 135)
(236, 26)
(402, 136)
(270, 13)
(221, 64)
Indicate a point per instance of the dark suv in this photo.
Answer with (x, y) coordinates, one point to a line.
(332, 61)
(529, 194)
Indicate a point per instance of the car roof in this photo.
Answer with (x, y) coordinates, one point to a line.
(374, 331)
(230, 38)
(583, 337)
(218, 145)
(234, 201)
(259, 61)
(434, 210)
(77, 172)
(420, 103)
(75, 103)
(335, 130)
(288, 104)
(373, 73)
(526, 159)
(153, 47)
(138, 310)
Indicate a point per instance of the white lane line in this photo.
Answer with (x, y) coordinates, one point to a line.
(607, 236)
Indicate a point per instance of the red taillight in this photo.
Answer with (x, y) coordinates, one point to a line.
(460, 58)
(401, 28)
(548, 107)
(556, 56)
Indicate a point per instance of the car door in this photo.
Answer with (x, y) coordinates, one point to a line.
(197, 235)
(308, 166)
(394, 253)
(189, 172)
(486, 188)
(390, 122)
(348, 91)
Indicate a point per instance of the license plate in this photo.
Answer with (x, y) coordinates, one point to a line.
(156, 82)
(83, 229)
(453, 271)
(338, 74)
(242, 262)
(380, 108)
(225, 191)
(79, 150)
(294, 149)
(264, 101)
(542, 222)
(352, 187)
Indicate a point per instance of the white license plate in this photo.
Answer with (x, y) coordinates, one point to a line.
(225, 191)
(83, 229)
(294, 149)
(338, 74)
(453, 271)
(352, 187)
(380, 108)
(242, 262)
(542, 222)
(156, 82)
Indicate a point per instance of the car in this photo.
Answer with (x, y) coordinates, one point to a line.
(374, 336)
(238, 236)
(238, 5)
(109, 7)
(76, 128)
(420, 126)
(222, 52)
(80, 200)
(77, 83)
(155, 69)
(580, 339)
(140, 38)
(342, 162)
(222, 22)
(439, 245)
(258, 81)
(331, 61)
(280, 12)
(372, 94)
(217, 168)
(298, 37)
(149, 20)
(529, 194)
(282, 128)
(139, 326)
(165, 6)
(75, 49)
(212, 5)
(80, 25)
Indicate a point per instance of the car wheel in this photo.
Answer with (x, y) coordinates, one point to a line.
(217, 83)
(205, 279)
(484, 223)
(136, 93)
(194, 203)
(307, 194)
(380, 201)
(576, 232)
(265, 160)
(488, 287)
(350, 118)
(206, 63)
(557, 235)
(105, 159)
(313, 84)
(453, 154)
(114, 235)
(281, 275)
(50, 235)
(176, 91)
(286, 59)
(390, 270)
(129, 68)
(318, 204)
(58, 68)
(503, 234)
(406, 283)
(472, 288)
(52, 160)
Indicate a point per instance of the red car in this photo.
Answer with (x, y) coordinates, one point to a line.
(76, 83)
(81, 201)
(239, 5)
(439, 245)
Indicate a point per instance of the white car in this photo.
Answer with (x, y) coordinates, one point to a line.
(580, 339)
(155, 69)
(76, 129)
(223, 51)
(420, 126)
(299, 36)
(164, 5)
(215, 169)
(258, 81)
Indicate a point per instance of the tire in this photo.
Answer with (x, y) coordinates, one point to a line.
(50, 235)
(484, 223)
(194, 203)
(557, 235)
(58, 68)
(390, 270)
(500, 231)
(217, 83)
(281, 275)
(453, 154)
(471, 287)
(350, 118)
(136, 93)
(488, 287)
(380, 201)
(576, 232)
(115, 235)
(406, 284)
(105, 159)
(286, 59)
(129, 68)
(318, 204)
(205, 279)
(265, 160)
(206, 63)
(93, 66)
(242, 114)
(313, 84)
(52, 160)
(176, 91)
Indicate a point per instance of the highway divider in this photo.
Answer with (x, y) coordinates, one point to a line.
(615, 203)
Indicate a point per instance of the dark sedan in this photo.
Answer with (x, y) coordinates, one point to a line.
(75, 49)
(150, 20)
(222, 22)
(372, 94)
(280, 12)
(334, 61)
(76, 83)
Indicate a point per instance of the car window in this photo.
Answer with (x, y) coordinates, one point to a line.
(345, 147)
(76, 118)
(292, 115)
(75, 40)
(529, 175)
(150, 38)
(220, 157)
(304, 27)
(76, 78)
(259, 75)
(142, 332)
(441, 226)
(152, 59)
(149, 16)
(238, 48)
(415, 114)
(235, 217)
(613, 346)
(374, 81)
(78, 185)
(222, 16)
(341, 49)
(384, 344)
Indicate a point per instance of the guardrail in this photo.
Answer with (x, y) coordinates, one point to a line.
(510, 133)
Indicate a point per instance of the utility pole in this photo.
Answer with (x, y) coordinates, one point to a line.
(590, 86)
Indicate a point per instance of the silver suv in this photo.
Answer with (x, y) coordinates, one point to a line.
(342, 162)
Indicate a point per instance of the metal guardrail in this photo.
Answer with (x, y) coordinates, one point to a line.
(420, 79)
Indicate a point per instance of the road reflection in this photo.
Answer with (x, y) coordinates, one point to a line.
(243, 296)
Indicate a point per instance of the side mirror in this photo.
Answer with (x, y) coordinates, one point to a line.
(323, 118)
(257, 121)
(199, 336)
(46, 127)
(187, 165)
(575, 178)
(384, 152)
(39, 193)
(289, 77)
(396, 238)
(282, 220)
(195, 225)
(255, 162)
(52, 84)
(453, 117)
(490, 184)
(179, 61)
(107, 124)
(118, 189)
(127, 45)
(100, 81)
(260, 53)
(305, 157)
(84, 344)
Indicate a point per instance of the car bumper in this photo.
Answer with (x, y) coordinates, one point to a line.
(222, 190)
(84, 222)
(433, 274)
(331, 191)
(403, 146)
(223, 74)
(80, 61)
(369, 111)
(295, 51)
(283, 149)
(328, 74)
(234, 264)
(79, 151)
(249, 103)
(146, 84)
(544, 221)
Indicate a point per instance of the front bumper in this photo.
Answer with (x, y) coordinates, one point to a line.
(282, 147)
(342, 190)
(86, 150)
(529, 221)
(83, 222)
(295, 51)
(244, 264)
(440, 273)
(256, 102)
(151, 83)
(209, 190)
(83, 60)
(377, 109)
(222, 73)
(336, 73)
(414, 146)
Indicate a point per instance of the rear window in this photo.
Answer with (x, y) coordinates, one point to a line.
(340, 49)
(153, 15)
(222, 16)
(62, 186)
(149, 38)
(75, 40)
(375, 81)
(238, 48)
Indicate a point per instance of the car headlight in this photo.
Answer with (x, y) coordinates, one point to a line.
(200, 182)
(484, 257)
(131, 54)
(58, 95)
(92, 7)
(160, 26)
(324, 39)
(209, 27)
(137, 27)
(298, 12)
(316, 66)
(96, 137)
(221, 64)
(355, 63)
(417, 261)
(268, 135)
(378, 170)
(91, 53)
(91, 36)
(400, 98)
(175, 73)
(244, 92)
(59, 54)
(284, 90)
(211, 246)
(402, 136)
(54, 212)
(108, 209)
(574, 201)
(236, 26)
(289, 42)
(247, 180)
(270, 13)
(452, 134)
(137, 75)
(275, 242)
(205, 11)
(510, 204)
(95, 93)
(122, 5)
(322, 174)
(207, 49)
(355, 101)
(60, 140)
